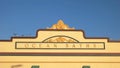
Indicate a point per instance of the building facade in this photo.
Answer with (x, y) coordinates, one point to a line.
(59, 47)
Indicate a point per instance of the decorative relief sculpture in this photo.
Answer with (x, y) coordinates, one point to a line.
(60, 39)
(60, 25)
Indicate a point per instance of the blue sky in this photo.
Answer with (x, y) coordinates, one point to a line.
(98, 18)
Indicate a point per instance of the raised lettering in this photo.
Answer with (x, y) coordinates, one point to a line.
(26, 45)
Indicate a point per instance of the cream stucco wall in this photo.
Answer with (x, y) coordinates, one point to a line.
(59, 61)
